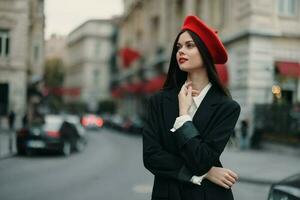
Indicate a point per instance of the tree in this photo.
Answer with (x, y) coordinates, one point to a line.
(54, 72)
(54, 79)
(106, 106)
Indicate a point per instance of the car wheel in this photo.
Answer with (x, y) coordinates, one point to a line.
(79, 145)
(66, 150)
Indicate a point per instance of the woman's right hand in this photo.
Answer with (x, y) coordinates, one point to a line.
(222, 177)
(185, 99)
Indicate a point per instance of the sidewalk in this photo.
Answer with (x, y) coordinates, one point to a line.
(7, 138)
(261, 166)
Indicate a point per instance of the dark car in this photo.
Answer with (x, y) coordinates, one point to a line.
(57, 133)
(287, 189)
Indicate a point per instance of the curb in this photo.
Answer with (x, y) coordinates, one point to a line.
(7, 156)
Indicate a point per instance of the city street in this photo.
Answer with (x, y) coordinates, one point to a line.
(110, 66)
(109, 168)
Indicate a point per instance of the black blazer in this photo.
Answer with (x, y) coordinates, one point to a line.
(192, 149)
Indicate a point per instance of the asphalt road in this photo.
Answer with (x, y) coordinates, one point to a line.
(110, 168)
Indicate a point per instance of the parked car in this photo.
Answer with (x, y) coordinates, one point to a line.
(62, 134)
(116, 122)
(287, 189)
(133, 125)
(91, 121)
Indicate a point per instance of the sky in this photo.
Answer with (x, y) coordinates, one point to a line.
(62, 16)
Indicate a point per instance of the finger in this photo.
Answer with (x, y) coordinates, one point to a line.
(190, 90)
(195, 94)
(187, 84)
(222, 184)
(184, 90)
(228, 183)
(183, 86)
(234, 175)
(231, 179)
(195, 91)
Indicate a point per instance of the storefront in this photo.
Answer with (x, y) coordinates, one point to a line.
(286, 87)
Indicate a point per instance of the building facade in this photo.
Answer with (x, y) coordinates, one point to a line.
(56, 47)
(21, 51)
(262, 38)
(89, 50)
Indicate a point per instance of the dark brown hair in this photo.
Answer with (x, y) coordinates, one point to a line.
(176, 77)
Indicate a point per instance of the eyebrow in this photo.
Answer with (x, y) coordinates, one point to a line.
(186, 42)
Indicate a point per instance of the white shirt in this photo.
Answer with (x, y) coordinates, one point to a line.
(184, 118)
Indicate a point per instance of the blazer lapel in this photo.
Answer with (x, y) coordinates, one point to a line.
(207, 108)
(170, 107)
(203, 113)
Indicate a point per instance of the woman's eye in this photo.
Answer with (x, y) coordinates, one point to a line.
(190, 45)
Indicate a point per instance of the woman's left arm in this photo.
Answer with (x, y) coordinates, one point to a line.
(201, 154)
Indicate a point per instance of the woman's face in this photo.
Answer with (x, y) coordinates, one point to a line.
(188, 56)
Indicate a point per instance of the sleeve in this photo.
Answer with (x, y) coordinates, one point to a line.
(156, 159)
(180, 121)
(201, 154)
(198, 179)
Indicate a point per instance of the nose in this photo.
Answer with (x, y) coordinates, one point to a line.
(180, 51)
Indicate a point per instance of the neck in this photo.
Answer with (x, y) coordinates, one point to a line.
(199, 79)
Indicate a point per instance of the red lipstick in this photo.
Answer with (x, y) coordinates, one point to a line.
(182, 60)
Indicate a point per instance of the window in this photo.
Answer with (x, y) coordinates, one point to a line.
(155, 25)
(287, 7)
(40, 8)
(198, 7)
(36, 52)
(179, 9)
(96, 76)
(4, 43)
(97, 48)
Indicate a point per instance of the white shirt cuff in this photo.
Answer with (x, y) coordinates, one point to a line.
(180, 121)
(197, 179)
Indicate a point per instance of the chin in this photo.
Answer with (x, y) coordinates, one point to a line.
(187, 68)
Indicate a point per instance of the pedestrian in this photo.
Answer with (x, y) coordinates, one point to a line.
(24, 120)
(244, 135)
(233, 140)
(190, 121)
(11, 119)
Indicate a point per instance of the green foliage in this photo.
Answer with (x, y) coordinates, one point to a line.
(54, 72)
(54, 78)
(77, 108)
(107, 106)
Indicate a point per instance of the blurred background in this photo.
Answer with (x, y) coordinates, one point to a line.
(75, 76)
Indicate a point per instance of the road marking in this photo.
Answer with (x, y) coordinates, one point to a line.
(142, 188)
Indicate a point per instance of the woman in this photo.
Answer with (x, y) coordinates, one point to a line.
(190, 121)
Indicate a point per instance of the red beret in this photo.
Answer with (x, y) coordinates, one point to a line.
(208, 36)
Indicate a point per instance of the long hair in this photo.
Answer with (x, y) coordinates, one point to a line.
(176, 77)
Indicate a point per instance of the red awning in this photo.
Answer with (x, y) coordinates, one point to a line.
(117, 92)
(128, 56)
(61, 91)
(154, 84)
(222, 71)
(133, 87)
(291, 69)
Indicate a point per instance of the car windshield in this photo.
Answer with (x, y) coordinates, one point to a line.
(52, 125)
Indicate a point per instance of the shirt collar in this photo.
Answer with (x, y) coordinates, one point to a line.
(198, 99)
